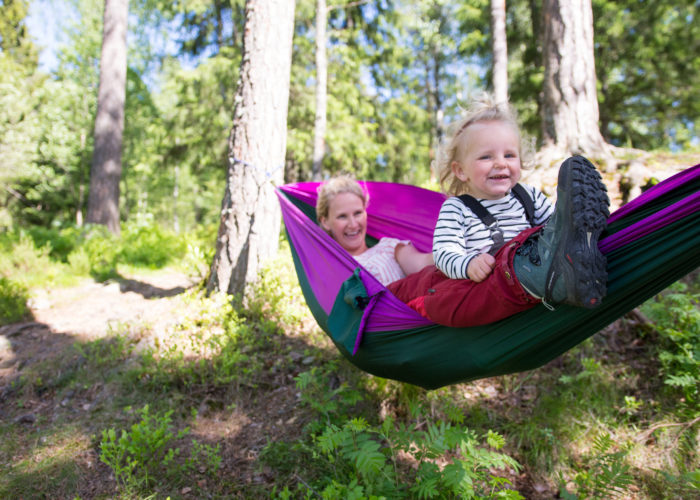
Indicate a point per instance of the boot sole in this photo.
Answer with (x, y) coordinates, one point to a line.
(578, 259)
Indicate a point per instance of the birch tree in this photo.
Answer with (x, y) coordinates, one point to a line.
(321, 90)
(250, 219)
(499, 47)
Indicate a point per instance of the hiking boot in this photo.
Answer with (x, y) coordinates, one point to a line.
(562, 263)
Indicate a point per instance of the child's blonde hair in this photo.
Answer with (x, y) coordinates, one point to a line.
(333, 187)
(484, 108)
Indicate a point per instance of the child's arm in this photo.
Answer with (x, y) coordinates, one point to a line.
(480, 267)
(449, 243)
(543, 207)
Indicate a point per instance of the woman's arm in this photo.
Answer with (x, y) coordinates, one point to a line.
(410, 259)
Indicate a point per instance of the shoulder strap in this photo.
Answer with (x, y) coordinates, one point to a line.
(526, 201)
(479, 210)
(488, 220)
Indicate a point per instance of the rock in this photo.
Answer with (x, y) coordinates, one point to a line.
(27, 418)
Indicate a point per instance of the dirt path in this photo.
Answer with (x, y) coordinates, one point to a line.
(88, 311)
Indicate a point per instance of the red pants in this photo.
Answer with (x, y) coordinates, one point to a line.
(463, 302)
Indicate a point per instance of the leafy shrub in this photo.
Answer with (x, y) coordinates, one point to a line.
(61, 242)
(13, 301)
(448, 461)
(677, 320)
(144, 455)
(102, 250)
(150, 246)
(23, 262)
(360, 460)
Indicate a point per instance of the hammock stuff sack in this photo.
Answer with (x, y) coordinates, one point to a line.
(650, 242)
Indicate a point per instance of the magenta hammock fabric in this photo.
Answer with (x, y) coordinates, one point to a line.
(392, 212)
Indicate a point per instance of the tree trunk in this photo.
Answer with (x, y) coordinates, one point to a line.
(321, 90)
(570, 107)
(106, 169)
(500, 50)
(250, 219)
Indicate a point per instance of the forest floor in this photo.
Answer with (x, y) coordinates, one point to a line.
(147, 306)
(67, 425)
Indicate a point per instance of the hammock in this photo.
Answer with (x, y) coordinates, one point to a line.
(650, 242)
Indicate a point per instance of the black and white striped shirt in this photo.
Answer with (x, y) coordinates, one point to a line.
(460, 235)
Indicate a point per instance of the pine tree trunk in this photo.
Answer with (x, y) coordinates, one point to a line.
(106, 169)
(500, 50)
(321, 90)
(250, 218)
(570, 107)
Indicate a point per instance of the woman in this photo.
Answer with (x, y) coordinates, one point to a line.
(341, 211)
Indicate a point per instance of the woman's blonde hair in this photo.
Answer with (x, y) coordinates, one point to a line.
(483, 108)
(333, 187)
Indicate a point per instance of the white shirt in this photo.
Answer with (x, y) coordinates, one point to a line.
(380, 260)
(460, 235)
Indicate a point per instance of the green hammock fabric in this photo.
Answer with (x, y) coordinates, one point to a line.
(435, 356)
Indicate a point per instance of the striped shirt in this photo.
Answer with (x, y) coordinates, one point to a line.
(460, 235)
(380, 260)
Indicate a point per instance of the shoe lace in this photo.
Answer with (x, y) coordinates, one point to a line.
(529, 248)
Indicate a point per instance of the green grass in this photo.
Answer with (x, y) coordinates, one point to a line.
(13, 302)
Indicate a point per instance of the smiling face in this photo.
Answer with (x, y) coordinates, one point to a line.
(488, 159)
(347, 222)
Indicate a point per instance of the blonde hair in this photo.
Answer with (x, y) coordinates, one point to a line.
(333, 187)
(484, 108)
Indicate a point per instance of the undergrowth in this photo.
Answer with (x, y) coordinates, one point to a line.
(616, 416)
(39, 256)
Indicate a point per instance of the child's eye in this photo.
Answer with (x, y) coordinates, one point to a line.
(484, 157)
(511, 155)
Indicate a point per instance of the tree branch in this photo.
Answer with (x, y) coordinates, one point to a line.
(17, 195)
(644, 435)
(351, 4)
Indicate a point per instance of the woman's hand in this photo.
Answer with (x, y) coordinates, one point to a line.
(480, 267)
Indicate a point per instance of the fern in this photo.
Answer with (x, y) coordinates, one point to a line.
(607, 475)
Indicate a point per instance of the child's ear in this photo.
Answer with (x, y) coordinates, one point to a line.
(459, 171)
(324, 224)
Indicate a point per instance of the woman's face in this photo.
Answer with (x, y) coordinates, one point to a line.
(347, 222)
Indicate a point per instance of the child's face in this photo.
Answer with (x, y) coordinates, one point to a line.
(488, 159)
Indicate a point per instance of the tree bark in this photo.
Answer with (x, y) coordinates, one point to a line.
(570, 105)
(106, 169)
(499, 46)
(320, 122)
(250, 219)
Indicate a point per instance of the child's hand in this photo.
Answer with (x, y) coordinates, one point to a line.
(480, 267)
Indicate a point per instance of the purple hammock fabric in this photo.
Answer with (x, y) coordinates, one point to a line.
(392, 211)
